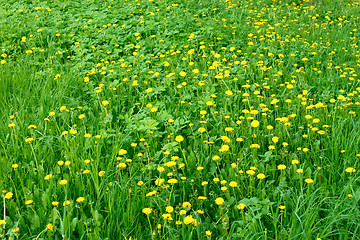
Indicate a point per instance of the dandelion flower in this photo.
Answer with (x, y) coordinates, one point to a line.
(219, 201)
(350, 170)
(29, 140)
(241, 206)
(260, 176)
(179, 138)
(63, 182)
(233, 184)
(173, 180)
(255, 123)
(80, 199)
(188, 220)
(122, 152)
(9, 195)
(49, 226)
(309, 180)
(281, 167)
(147, 211)
(169, 209)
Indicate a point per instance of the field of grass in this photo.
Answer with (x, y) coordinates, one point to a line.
(179, 119)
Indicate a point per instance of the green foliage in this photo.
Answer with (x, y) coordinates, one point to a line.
(179, 119)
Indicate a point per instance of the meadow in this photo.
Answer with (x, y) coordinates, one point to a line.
(179, 119)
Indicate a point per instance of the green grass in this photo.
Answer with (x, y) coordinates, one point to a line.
(240, 115)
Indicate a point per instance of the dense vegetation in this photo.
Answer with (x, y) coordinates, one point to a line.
(179, 119)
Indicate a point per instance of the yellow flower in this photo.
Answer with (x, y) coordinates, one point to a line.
(121, 165)
(169, 209)
(350, 170)
(275, 139)
(188, 220)
(241, 206)
(281, 167)
(229, 92)
(48, 177)
(9, 195)
(11, 125)
(101, 173)
(122, 152)
(29, 140)
(208, 233)
(219, 201)
(147, 211)
(233, 184)
(173, 180)
(151, 193)
(215, 158)
(63, 182)
(49, 226)
(2, 222)
(15, 166)
(160, 169)
(28, 202)
(201, 129)
(250, 172)
(260, 176)
(295, 161)
(282, 207)
(223, 188)
(269, 127)
(80, 199)
(55, 203)
(159, 181)
(255, 123)
(105, 103)
(73, 131)
(224, 148)
(309, 180)
(179, 138)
